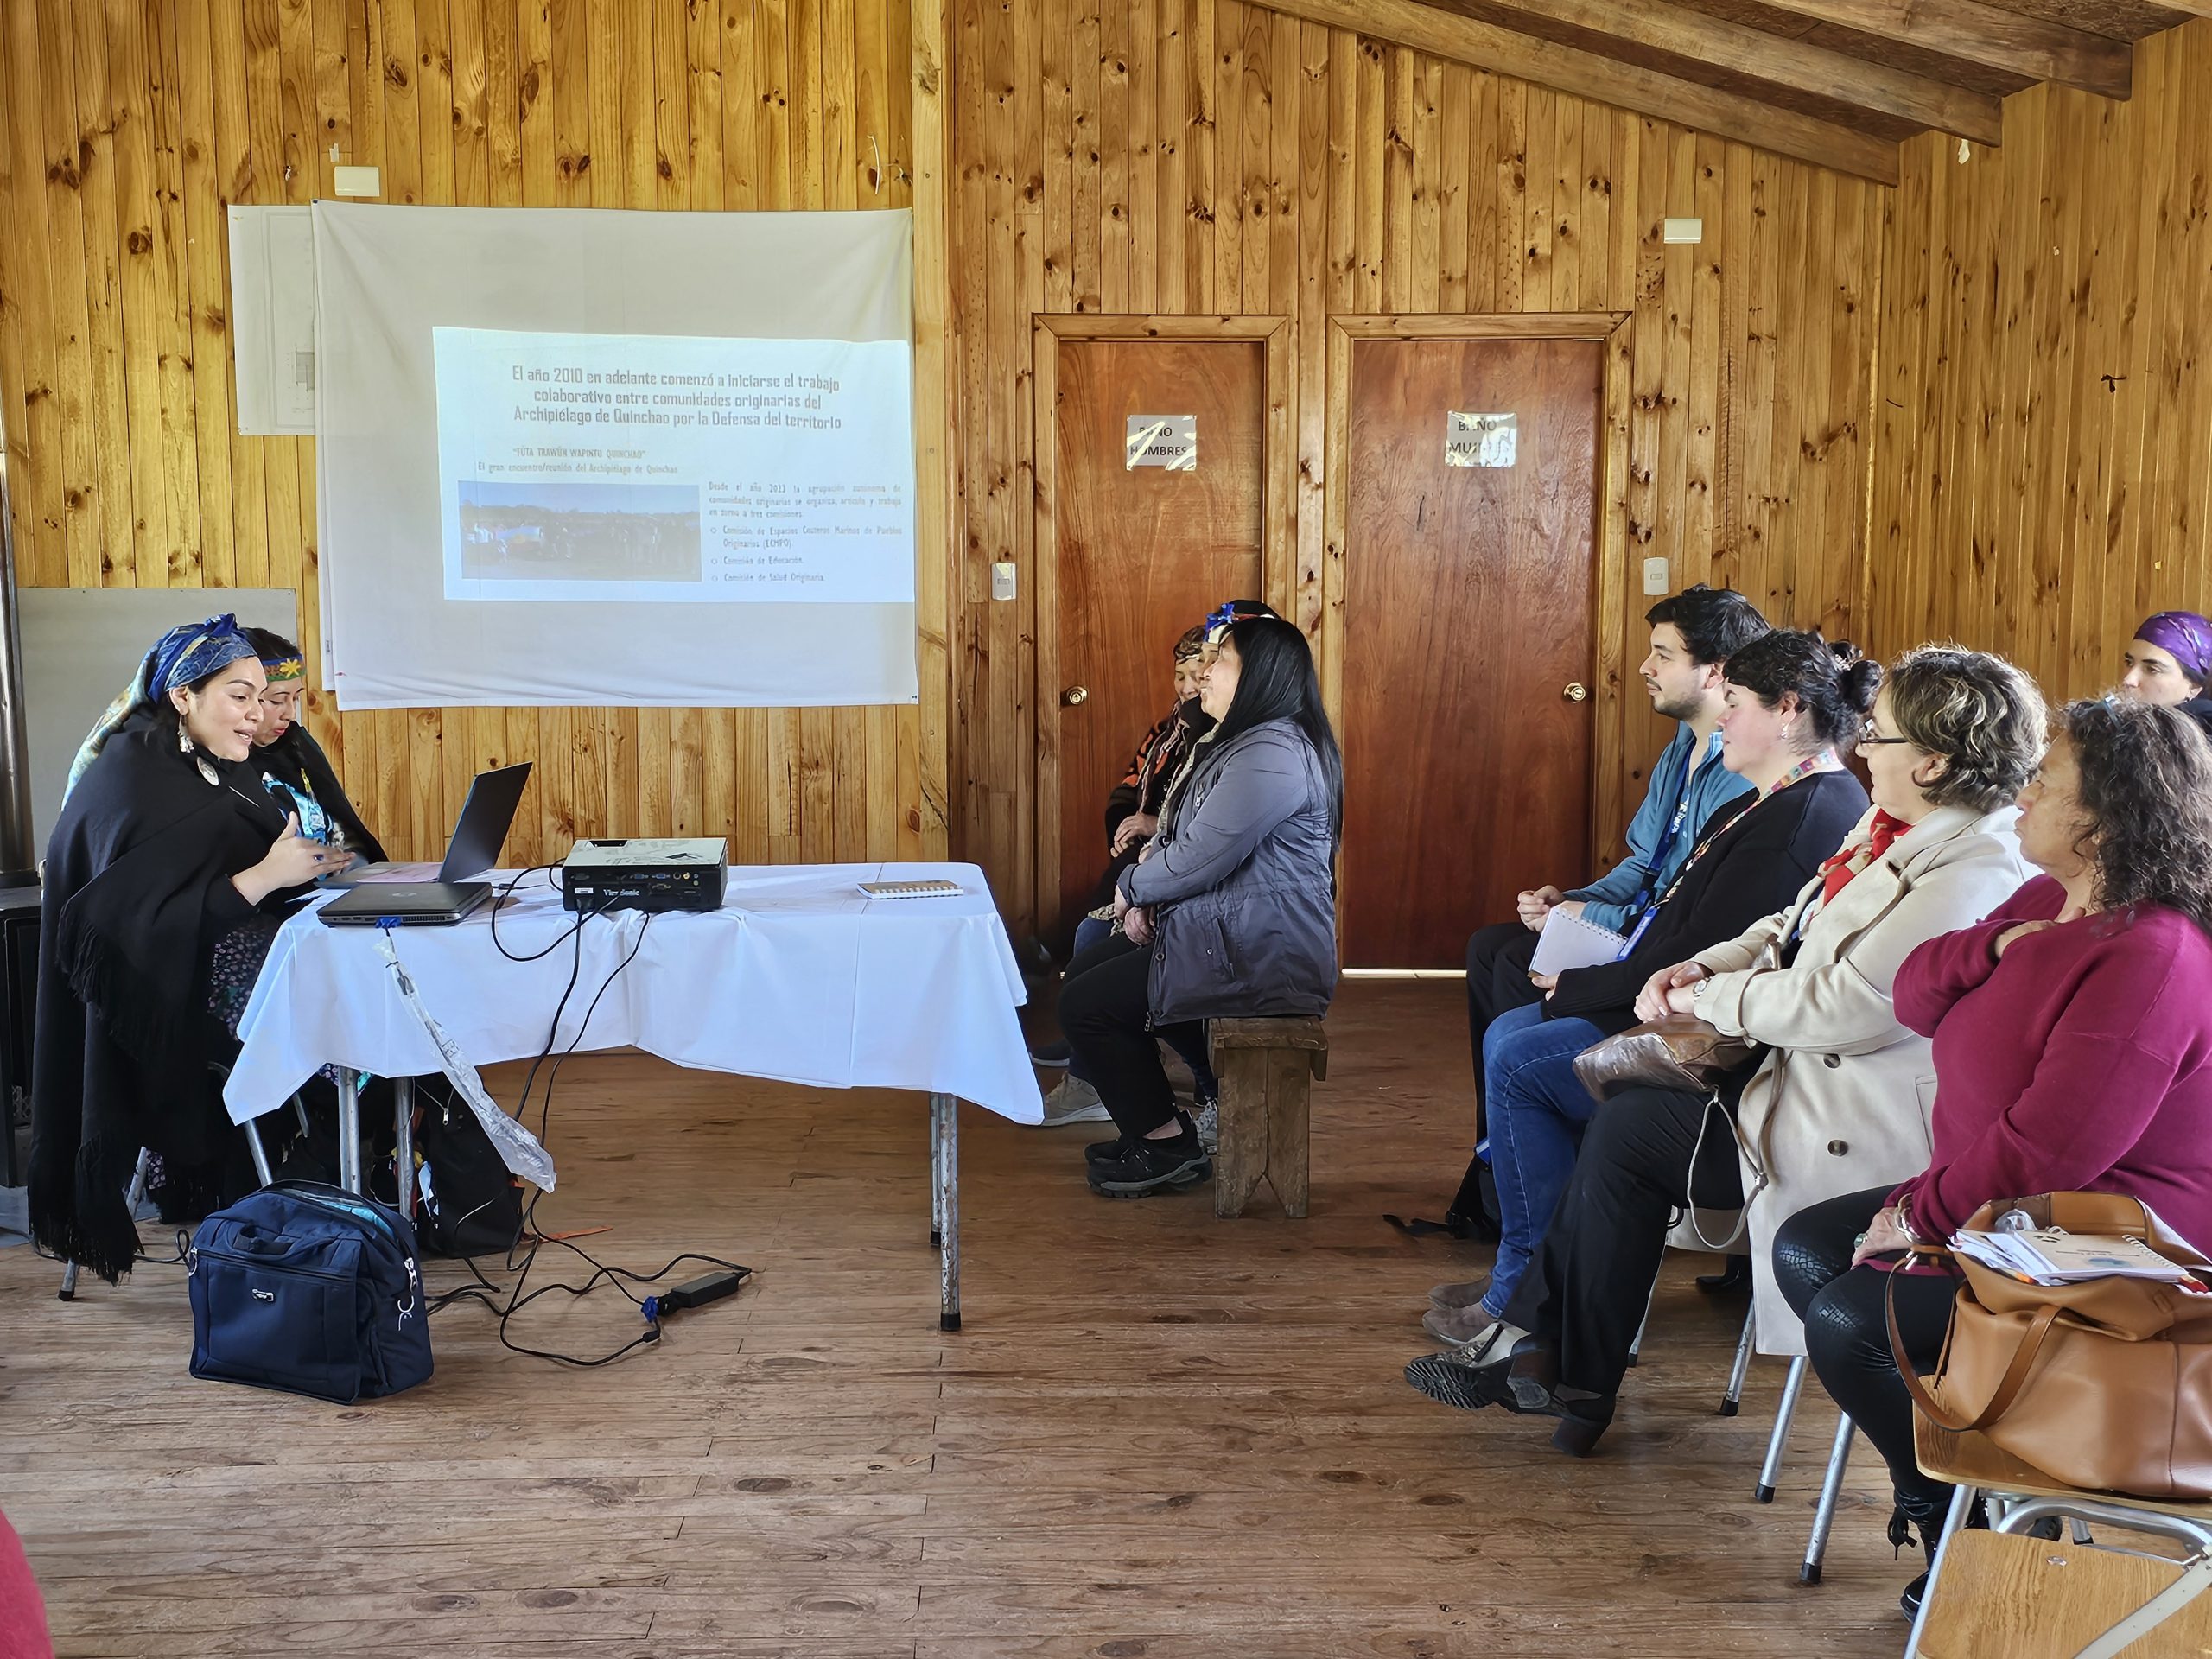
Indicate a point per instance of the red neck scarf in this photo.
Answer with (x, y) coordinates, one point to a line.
(1836, 874)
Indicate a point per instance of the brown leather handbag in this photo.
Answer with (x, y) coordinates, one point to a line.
(1678, 1051)
(2106, 1384)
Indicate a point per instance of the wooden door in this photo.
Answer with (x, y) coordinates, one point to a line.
(1468, 637)
(1143, 553)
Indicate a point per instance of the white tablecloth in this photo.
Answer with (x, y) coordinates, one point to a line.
(799, 976)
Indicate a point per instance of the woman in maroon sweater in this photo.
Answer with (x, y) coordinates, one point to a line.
(2073, 1041)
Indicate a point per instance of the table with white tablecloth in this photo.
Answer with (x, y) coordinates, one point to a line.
(798, 976)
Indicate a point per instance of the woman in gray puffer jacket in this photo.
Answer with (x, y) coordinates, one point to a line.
(1236, 897)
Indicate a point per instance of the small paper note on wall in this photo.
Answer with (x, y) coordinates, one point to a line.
(1479, 440)
(1168, 441)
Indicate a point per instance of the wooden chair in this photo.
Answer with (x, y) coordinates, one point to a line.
(2002, 1595)
(1267, 1069)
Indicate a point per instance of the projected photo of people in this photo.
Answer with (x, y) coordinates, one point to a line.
(569, 531)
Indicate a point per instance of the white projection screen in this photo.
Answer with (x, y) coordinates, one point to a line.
(595, 457)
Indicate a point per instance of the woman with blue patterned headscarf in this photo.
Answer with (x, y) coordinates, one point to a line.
(165, 854)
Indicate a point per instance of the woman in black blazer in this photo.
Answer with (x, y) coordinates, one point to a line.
(1792, 698)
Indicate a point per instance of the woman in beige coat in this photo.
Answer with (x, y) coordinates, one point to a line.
(1843, 1093)
(1841, 1101)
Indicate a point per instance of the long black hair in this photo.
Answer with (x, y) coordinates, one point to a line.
(1276, 681)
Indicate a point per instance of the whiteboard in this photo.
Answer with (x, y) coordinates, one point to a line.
(82, 644)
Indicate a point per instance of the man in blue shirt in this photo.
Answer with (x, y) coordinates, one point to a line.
(1692, 634)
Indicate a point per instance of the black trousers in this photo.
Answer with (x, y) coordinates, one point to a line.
(1105, 1002)
(1847, 1333)
(1585, 1291)
(1497, 982)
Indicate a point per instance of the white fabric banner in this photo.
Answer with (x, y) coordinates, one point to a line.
(591, 457)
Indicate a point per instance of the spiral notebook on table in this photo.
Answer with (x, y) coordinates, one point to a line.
(1569, 942)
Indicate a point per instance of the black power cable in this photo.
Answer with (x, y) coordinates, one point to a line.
(518, 1296)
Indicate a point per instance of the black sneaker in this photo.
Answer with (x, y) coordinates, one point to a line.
(1105, 1151)
(1148, 1166)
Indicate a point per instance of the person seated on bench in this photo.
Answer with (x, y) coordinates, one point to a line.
(1132, 815)
(166, 849)
(1791, 699)
(2168, 662)
(2073, 1053)
(293, 766)
(1693, 633)
(1159, 766)
(1236, 897)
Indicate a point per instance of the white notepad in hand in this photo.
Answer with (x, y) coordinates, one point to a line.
(1569, 942)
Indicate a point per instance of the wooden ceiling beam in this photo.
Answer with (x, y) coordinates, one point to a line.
(1985, 34)
(1837, 76)
(1605, 80)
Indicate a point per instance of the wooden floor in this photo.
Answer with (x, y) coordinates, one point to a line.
(1160, 1435)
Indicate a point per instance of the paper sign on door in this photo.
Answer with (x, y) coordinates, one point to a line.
(1479, 440)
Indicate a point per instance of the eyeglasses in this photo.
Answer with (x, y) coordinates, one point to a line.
(1870, 738)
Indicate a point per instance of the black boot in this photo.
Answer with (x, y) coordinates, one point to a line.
(1735, 1276)
(1923, 1515)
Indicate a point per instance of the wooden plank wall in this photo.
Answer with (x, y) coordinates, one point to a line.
(129, 128)
(1213, 156)
(2043, 467)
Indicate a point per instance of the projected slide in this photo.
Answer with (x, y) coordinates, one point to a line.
(607, 468)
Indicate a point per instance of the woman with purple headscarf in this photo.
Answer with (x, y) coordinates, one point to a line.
(156, 874)
(2169, 662)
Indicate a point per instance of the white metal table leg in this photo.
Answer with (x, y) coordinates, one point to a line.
(349, 1129)
(1816, 1547)
(945, 1185)
(1771, 1470)
(403, 1090)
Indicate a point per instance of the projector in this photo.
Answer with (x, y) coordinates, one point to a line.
(651, 875)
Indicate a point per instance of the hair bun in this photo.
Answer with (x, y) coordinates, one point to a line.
(1859, 681)
(1845, 652)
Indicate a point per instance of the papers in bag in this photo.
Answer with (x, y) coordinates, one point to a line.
(2051, 1255)
(1569, 942)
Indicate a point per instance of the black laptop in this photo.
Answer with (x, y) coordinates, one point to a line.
(485, 817)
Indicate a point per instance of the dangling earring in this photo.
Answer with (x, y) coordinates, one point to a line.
(183, 739)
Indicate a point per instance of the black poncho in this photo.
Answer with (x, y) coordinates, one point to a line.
(138, 890)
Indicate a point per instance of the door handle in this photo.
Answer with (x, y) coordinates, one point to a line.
(1074, 695)
(1576, 692)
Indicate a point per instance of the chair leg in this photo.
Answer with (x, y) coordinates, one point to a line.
(1816, 1547)
(1636, 1348)
(1963, 1497)
(1732, 1400)
(131, 1199)
(1770, 1470)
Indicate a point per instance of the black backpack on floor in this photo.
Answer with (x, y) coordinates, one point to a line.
(471, 1204)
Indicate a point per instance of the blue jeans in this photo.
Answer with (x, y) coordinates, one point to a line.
(1536, 1108)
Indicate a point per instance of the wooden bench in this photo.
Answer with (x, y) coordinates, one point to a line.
(1266, 1069)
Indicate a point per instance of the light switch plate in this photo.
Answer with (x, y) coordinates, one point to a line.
(355, 182)
(1682, 230)
(1003, 580)
(1655, 579)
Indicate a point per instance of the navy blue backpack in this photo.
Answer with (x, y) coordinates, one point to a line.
(310, 1289)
